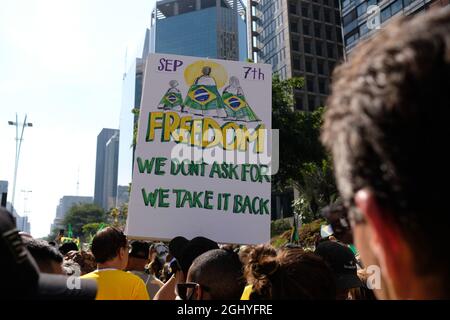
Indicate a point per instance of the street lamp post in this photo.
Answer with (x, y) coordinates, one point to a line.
(18, 146)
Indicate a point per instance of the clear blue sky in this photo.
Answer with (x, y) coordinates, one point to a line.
(62, 62)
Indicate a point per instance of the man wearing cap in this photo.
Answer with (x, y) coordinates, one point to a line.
(343, 263)
(138, 258)
(21, 276)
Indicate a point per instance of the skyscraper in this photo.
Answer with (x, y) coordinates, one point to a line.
(359, 22)
(299, 38)
(105, 176)
(203, 28)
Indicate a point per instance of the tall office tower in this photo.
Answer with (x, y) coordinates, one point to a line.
(107, 159)
(361, 19)
(203, 28)
(299, 38)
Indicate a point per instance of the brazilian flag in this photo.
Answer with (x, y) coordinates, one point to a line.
(237, 107)
(294, 233)
(203, 97)
(171, 100)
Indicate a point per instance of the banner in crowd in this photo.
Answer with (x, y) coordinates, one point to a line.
(202, 160)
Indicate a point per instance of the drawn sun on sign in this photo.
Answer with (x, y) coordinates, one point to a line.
(194, 71)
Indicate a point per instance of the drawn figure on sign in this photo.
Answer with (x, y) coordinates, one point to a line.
(236, 105)
(204, 98)
(172, 100)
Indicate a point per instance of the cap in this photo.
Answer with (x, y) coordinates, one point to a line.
(23, 280)
(342, 260)
(140, 249)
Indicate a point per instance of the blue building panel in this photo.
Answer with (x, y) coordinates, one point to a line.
(191, 34)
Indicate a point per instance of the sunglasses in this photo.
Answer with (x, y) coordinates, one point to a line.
(186, 290)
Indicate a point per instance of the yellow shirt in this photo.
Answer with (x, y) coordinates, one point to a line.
(118, 285)
(247, 292)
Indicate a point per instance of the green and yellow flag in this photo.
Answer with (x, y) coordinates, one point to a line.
(237, 107)
(203, 97)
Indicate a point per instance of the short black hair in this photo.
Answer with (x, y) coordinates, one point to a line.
(140, 250)
(221, 272)
(66, 247)
(43, 253)
(387, 125)
(107, 243)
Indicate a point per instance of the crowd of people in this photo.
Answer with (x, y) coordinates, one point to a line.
(385, 123)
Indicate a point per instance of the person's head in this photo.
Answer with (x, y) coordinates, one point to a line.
(66, 247)
(214, 275)
(21, 276)
(234, 81)
(386, 125)
(343, 263)
(110, 246)
(138, 256)
(173, 83)
(48, 259)
(84, 259)
(71, 268)
(288, 274)
(193, 249)
(206, 71)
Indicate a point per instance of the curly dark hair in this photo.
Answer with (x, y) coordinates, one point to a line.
(288, 274)
(387, 124)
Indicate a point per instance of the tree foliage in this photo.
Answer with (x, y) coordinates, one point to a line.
(84, 214)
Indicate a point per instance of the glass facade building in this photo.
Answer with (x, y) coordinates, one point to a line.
(359, 24)
(299, 38)
(200, 28)
(215, 29)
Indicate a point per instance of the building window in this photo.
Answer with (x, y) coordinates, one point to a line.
(316, 12)
(295, 45)
(349, 18)
(308, 64)
(337, 17)
(322, 88)
(317, 30)
(329, 32)
(331, 65)
(330, 50)
(319, 51)
(320, 66)
(307, 44)
(305, 10)
(326, 3)
(293, 8)
(306, 28)
(386, 14)
(297, 64)
(339, 35)
(310, 84)
(340, 51)
(294, 26)
(351, 37)
(311, 103)
(396, 6)
(299, 103)
(361, 9)
(327, 15)
(336, 4)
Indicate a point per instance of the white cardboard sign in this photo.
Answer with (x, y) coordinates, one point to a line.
(207, 109)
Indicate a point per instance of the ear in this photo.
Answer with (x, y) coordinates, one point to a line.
(386, 242)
